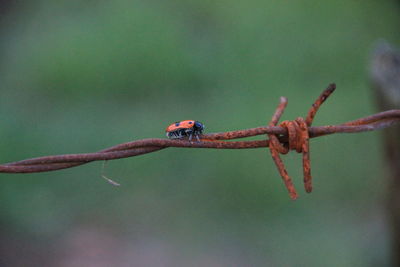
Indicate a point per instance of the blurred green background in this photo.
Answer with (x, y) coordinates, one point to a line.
(79, 76)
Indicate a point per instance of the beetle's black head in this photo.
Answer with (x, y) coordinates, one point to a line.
(199, 126)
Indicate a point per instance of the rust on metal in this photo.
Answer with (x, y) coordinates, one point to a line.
(283, 137)
(276, 147)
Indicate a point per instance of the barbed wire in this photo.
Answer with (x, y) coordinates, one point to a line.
(289, 135)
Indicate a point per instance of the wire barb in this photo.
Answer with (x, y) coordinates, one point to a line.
(297, 139)
(275, 147)
(288, 135)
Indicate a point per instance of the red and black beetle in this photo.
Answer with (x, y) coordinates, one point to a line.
(185, 128)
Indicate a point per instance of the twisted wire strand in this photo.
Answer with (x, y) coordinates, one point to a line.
(281, 138)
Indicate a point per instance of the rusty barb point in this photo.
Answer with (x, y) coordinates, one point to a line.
(283, 137)
(297, 139)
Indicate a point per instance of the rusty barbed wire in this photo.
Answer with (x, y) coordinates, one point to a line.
(298, 136)
(288, 135)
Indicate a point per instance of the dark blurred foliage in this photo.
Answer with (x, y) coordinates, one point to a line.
(78, 76)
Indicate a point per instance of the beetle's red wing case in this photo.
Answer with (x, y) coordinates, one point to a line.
(186, 124)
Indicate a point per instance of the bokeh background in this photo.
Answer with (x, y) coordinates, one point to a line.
(79, 76)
